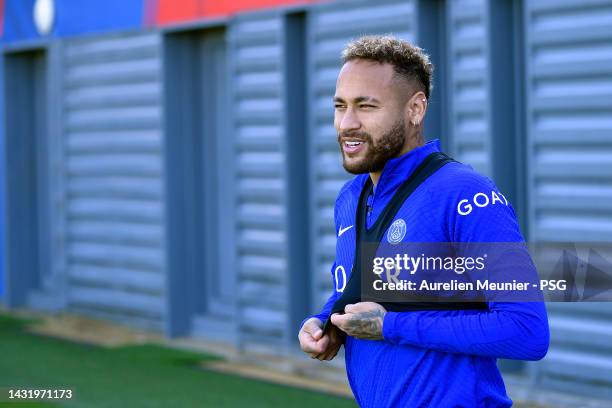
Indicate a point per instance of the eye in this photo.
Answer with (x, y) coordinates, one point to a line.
(366, 106)
(339, 106)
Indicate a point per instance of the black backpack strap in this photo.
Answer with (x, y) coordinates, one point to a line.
(352, 290)
(428, 166)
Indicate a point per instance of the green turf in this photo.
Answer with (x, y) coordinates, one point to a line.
(134, 376)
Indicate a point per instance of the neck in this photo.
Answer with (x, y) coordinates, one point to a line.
(375, 176)
(411, 143)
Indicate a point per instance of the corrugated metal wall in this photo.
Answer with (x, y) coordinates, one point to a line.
(468, 83)
(113, 177)
(256, 53)
(568, 52)
(330, 27)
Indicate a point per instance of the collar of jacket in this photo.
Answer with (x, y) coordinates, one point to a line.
(397, 170)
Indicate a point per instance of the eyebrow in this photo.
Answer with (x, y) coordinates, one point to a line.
(358, 99)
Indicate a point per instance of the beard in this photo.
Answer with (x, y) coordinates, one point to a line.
(376, 154)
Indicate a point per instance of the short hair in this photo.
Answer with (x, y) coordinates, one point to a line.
(408, 60)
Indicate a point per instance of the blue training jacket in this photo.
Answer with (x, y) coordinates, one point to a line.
(437, 358)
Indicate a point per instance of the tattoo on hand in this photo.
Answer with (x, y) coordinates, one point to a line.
(365, 325)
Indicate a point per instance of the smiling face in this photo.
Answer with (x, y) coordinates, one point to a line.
(371, 107)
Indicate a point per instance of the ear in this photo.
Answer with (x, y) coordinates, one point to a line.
(416, 108)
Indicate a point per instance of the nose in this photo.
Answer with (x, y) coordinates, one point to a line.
(348, 121)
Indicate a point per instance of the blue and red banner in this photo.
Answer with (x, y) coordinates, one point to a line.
(69, 17)
(18, 21)
(97, 16)
(172, 11)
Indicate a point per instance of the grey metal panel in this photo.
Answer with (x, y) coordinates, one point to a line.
(562, 104)
(113, 231)
(256, 55)
(469, 118)
(330, 27)
(297, 170)
(568, 51)
(220, 293)
(432, 36)
(39, 116)
(25, 128)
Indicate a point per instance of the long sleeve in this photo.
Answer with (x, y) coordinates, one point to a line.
(513, 330)
(323, 315)
(508, 330)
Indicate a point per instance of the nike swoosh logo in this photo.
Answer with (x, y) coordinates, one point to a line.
(343, 230)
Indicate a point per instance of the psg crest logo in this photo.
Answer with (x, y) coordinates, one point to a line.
(397, 231)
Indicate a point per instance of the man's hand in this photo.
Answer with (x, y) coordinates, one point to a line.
(363, 320)
(319, 346)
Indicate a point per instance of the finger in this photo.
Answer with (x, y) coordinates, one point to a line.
(323, 356)
(323, 344)
(340, 321)
(308, 344)
(305, 335)
(320, 356)
(349, 308)
(316, 352)
(326, 354)
(331, 356)
(310, 347)
(312, 326)
(310, 333)
(319, 347)
(372, 306)
(331, 352)
(363, 306)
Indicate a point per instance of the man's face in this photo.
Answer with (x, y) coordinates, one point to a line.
(369, 117)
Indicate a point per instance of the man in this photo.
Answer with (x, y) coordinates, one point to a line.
(421, 358)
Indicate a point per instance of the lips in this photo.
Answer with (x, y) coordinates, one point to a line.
(352, 146)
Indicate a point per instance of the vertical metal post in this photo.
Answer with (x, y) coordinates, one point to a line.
(506, 81)
(296, 151)
(431, 36)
